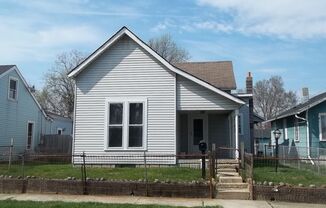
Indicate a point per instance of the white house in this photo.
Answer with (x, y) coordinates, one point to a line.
(129, 100)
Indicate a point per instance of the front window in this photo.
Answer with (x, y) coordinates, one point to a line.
(115, 124)
(135, 125)
(125, 127)
(322, 126)
(13, 84)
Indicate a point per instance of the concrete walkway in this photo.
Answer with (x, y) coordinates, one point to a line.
(155, 200)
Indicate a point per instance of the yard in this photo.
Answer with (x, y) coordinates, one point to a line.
(62, 171)
(31, 204)
(289, 175)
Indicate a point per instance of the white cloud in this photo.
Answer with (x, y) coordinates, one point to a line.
(272, 70)
(60, 35)
(211, 25)
(22, 41)
(299, 19)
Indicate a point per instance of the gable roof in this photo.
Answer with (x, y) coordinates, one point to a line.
(217, 73)
(302, 106)
(10, 68)
(57, 116)
(5, 68)
(125, 31)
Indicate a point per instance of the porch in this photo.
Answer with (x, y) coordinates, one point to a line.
(212, 126)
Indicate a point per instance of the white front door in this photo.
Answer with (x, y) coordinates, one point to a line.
(197, 131)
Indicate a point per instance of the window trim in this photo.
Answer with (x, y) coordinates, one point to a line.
(17, 86)
(125, 123)
(296, 126)
(320, 128)
(33, 133)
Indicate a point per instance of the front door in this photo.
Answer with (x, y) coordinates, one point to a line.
(197, 131)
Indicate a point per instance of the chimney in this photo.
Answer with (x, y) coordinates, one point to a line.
(305, 94)
(249, 83)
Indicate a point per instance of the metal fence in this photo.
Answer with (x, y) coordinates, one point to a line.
(142, 167)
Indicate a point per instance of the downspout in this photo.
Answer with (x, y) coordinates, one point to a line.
(308, 145)
(308, 138)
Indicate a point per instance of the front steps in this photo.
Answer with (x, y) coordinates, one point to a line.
(230, 184)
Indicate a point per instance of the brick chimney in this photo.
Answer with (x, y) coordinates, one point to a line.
(249, 83)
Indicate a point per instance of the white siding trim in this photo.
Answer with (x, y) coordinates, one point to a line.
(285, 127)
(126, 31)
(236, 121)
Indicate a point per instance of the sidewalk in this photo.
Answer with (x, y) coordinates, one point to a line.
(155, 200)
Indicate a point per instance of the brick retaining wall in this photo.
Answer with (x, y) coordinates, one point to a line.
(190, 190)
(290, 194)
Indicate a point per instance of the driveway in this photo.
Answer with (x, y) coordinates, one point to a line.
(156, 200)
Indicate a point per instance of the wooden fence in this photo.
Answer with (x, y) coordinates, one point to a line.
(55, 144)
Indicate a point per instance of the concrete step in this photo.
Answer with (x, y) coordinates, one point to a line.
(226, 170)
(233, 194)
(227, 161)
(219, 166)
(225, 186)
(227, 174)
(230, 179)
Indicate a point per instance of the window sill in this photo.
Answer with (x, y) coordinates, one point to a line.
(12, 100)
(125, 150)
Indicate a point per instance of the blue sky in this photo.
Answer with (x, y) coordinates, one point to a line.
(279, 37)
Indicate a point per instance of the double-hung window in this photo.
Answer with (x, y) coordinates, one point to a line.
(13, 86)
(322, 126)
(126, 124)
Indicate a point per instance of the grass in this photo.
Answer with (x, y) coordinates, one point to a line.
(61, 171)
(289, 175)
(31, 204)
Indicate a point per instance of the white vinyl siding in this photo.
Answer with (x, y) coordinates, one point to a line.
(191, 96)
(125, 70)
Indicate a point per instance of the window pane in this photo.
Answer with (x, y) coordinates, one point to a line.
(115, 136)
(116, 110)
(135, 136)
(323, 126)
(198, 131)
(136, 113)
(13, 84)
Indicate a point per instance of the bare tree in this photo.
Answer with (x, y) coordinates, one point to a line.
(270, 97)
(57, 94)
(168, 49)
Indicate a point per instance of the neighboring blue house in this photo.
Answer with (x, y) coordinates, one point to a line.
(60, 125)
(21, 116)
(303, 126)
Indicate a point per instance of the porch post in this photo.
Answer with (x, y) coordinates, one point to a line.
(236, 131)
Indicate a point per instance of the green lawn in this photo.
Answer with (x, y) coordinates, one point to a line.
(61, 171)
(288, 175)
(30, 204)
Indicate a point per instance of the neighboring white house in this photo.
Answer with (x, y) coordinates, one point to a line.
(129, 100)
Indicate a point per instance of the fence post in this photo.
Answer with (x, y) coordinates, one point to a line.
(146, 178)
(23, 165)
(83, 170)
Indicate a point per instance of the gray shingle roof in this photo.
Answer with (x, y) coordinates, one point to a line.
(302, 106)
(4, 68)
(217, 73)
